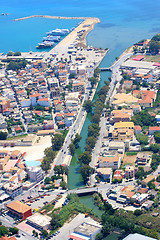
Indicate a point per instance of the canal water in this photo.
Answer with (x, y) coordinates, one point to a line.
(74, 177)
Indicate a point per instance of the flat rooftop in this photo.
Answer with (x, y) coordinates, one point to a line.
(87, 229)
(39, 219)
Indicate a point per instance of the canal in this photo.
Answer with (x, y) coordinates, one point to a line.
(74, 177)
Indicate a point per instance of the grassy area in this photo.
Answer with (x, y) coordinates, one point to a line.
(64, 132)
(17, 137)
(145, 220)
(154, 58)
(131, 153)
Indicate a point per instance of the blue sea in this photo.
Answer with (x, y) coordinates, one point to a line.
(123, 22)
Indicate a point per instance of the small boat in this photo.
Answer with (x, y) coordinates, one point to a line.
(45, 44)
(52, 38)
(58, 32)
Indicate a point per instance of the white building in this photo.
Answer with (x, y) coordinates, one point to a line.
(35, 174)
(25, 103)
(44, 102)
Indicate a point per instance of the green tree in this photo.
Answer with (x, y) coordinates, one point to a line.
(91, 141)
(96, 118)
(47, 180)
(97, 72)
(72, 148)
(143, 118)
(13, 230)
(77, 139)
(154, 47)
(88, 106)
(3, 231)
(137, 212)
(86, 172)
(57, 142)
(44, 233)
(63, 185)
(72, 75)
(157, 137)
(84, 158)
(142, 139)
(3, 135)
(55, 221)
(17, 54)
(50, 154)
(93, 81)
(60, 170)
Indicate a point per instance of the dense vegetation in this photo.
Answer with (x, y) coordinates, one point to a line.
(124, 221)
(74, 144)
(16, 65)
(143, 118)
(73, 207)
(154, 45)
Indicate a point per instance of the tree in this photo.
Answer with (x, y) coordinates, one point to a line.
(88, 148)
(17, 54)
(13, 230)
(156, 37)
(63, 185)
(3, 231)
(155, 148)
(50, 154)
(91, 141)
(93, 130)
(95, 118)
(154, 47)
(47, 180)
(93, 81)
(72, 148)
(57, 142)
(55, 221)
(88, 106)
(44, 233)
(3, 135)
(86, 172)
(157, 137)
(84, 158)
(143, 118)
(97, 72)
(60, 170)
(77, 139)
(137, 212)
(72, 75)
(142, 139)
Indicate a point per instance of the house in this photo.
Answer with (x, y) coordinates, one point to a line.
(44, 102)
(105, 174)
(127, 84)
(130, 171)
(78, 87)
(34, 98)
(118, 175)
(147, 180)
(13, 189)
(138, 129)
(124, 99)
(154, 129)
(142, 158)
(110, 161)
(135, 108)
(19, 209)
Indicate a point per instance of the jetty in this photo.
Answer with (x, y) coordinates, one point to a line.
(52, 17)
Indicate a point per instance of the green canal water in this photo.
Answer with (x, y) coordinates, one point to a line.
(74, 177)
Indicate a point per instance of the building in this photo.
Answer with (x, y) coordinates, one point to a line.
(78, 87)
(86, 231)
(39, 221)
(130, 171)
(138, 129)
(147, 180)
(152, 130)
(142, 158)
(35, 174)
(19, 209)
(8, 238)
(124, 99)
(105, 174)
(13, 189)
(113, 162)
(137, 236)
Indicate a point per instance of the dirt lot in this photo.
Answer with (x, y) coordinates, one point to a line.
(130, 159)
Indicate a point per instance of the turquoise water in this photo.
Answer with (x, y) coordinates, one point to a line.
(32, 163)
(122, 22)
